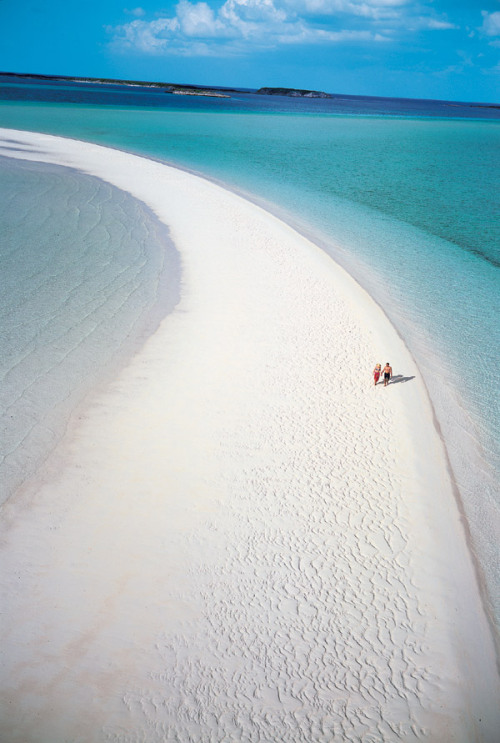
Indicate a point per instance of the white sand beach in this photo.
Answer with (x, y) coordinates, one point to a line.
(240, 538)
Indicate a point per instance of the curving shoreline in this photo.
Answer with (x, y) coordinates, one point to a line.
(243, 516)
(63, 330)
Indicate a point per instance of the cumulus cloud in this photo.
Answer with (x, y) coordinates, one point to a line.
(491, 23)
(238, 26)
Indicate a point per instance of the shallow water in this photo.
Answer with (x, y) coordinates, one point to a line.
(82, 265)
(408, 205)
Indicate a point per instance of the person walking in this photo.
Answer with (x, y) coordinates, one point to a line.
(376, 372)
(387, 373)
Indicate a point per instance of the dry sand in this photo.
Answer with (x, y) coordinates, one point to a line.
(242, 539)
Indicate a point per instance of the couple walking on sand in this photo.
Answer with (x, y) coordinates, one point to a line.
(387, 372)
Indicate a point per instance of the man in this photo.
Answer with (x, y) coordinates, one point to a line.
(387, 373)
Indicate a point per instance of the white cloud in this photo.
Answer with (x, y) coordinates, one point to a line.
(137, 12)
(197, 20)
(255, 19)
(239, 26)
(197, 30)
(491, 23)
(430, 24)
(376, 9)
(146, 37)
(435, 24)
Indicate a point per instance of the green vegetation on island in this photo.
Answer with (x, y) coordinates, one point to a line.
(294, 92)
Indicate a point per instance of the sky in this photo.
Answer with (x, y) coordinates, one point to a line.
(444, 49)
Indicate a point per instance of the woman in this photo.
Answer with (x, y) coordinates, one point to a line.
(376, 372)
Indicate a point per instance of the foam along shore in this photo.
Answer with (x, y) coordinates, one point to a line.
(241, 538)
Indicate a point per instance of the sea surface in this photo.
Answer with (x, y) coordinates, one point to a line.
(402, 193)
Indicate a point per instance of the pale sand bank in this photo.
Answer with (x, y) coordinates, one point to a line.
(242, 539)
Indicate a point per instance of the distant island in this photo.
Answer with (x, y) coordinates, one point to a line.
(197, 91)
(210, 91)
(294, 92)
(179, 89)
(166, 87)
(484, 105)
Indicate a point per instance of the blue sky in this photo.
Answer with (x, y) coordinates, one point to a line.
(424, 49)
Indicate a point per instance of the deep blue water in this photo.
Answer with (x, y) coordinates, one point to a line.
(64, 91)
(403, 193)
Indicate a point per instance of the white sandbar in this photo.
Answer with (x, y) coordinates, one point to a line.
(242, 539)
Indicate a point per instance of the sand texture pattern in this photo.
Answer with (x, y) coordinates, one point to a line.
(241, 539)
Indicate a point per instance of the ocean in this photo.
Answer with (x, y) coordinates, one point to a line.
(402, 193)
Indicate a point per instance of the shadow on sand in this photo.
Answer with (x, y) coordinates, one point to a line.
(399, 378)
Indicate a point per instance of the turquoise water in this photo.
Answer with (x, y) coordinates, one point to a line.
(408, 205)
